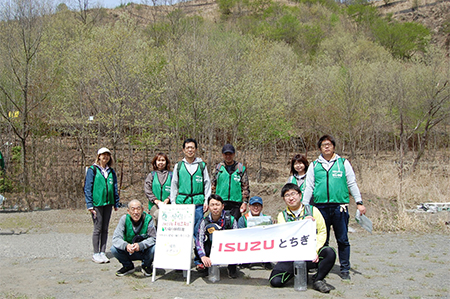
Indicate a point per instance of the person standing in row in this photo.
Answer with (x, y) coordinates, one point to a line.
(329, 180)
(101, 195)
(299, 167)
(158, 183)
(230, 182)
(191, 183)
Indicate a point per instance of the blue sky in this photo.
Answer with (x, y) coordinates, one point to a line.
(114, 3)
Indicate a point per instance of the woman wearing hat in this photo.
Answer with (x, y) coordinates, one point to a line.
(100, 191)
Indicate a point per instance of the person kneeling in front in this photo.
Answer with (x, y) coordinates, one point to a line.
(325, 257)
(218, 219)
(134, 239)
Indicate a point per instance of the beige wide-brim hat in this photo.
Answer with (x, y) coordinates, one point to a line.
(103, 150)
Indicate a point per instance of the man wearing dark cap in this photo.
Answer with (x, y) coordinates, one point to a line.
(230, 181)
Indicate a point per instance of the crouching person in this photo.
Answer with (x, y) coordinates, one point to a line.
(134, 239)
(325, 257)
(218, 219)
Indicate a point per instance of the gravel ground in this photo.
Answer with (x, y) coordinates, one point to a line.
(51, 259)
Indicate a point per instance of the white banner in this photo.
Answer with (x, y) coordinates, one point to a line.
(273, 243)
(174, 237)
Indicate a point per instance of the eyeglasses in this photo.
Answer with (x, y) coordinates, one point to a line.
(289, 195)
(326, 144)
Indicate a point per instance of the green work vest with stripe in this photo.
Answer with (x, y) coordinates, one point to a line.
(161, 192)
(229, 185)
(191, 188)
(129, 232)
(290, 217)
(103, 189)
(330, 186)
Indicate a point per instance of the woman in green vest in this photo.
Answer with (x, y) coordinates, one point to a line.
(101, 195)
(157, 183)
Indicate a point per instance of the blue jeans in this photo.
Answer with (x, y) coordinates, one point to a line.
(126, 259)
(339, 220)
(197, 221)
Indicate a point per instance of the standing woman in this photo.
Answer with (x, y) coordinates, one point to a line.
(100, 192)
(157, 183)
(299, 166)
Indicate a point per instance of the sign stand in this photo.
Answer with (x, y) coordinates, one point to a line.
(174, 238)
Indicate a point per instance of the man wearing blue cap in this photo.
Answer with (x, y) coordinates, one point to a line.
(255, 209)
(230, 181)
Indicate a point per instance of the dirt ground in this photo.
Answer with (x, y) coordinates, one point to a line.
(49, 256)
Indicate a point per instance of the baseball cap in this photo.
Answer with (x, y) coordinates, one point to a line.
(102, 151)
(228, 148)
(255, 199)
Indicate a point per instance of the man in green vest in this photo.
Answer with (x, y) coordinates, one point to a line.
(191, 183)
(230, 181)
(329, 180)
(134, 239)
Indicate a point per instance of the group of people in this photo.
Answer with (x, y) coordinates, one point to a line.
(319, 191)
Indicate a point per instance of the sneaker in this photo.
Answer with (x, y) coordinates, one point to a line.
(104, 257)
(321, 286)
(96, 258)
(200, 268)
(147, 271)
(345, 276)
(232, 273)
(125, 271)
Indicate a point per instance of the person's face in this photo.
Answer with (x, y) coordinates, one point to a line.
(292, 199)
(189, 150)
(104, 158)
(256, 209)
(327, 148)
(216, 207)
(161, 163)
(135, 211)
(299, 167)
(228, 158)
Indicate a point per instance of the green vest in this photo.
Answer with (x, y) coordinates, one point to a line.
(190, 187)
(330, 186)
(229, 185)
(103, 189)
(129, 232)
(160, 191)
(289, 217)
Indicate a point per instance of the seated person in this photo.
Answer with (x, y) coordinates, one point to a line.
(134, 239)
(218, 219)
(326, 256)
(255, 209)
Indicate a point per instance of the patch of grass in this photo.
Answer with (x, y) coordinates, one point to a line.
(411, 278)
(62, 282)
(396, 292)
(375, 294)
(20, 221)
(393, 252)
(412, 254)
(13, 296)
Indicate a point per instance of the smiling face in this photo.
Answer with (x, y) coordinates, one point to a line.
(189, 151)
(216, 208)
(135, 210)
(256, 209)
(103, 159)
(228, 158)
(161, 163)
(292, 199)
(299, 167)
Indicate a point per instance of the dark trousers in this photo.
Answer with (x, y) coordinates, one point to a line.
(234, 208)
(207, 247)
(339, 220)
(284, 271)
(101, 224)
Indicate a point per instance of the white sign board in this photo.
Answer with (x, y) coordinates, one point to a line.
(290, 241)
(174, 237)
